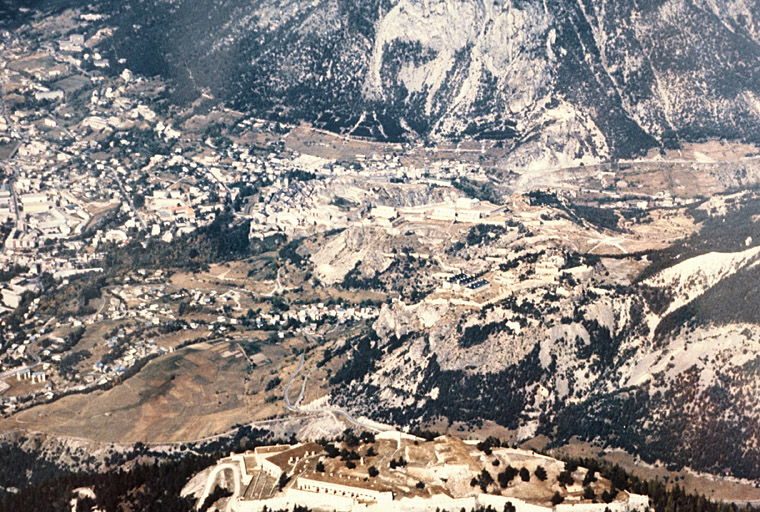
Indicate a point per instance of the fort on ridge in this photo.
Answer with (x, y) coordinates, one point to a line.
(396, 471)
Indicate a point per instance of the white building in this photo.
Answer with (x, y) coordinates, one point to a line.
(443, 213)
(468, 216)
(11, 298)
(467, 203)
(352, 491)
(383, 212)
(48, 95)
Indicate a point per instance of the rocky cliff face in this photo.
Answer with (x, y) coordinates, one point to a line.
(558, 81)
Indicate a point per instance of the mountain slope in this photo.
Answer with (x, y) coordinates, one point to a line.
(665, 367)
(559, 82)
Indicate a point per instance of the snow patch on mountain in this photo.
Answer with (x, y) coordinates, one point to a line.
(709, 349)
(691, 278)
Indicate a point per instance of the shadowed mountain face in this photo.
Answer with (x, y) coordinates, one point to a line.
(557, 80)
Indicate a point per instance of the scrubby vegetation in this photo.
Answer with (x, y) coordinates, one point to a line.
(484, 191)
(225, 239)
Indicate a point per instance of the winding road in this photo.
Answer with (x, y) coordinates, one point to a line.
(14, 371)
(211, 484)
(290, 382)
(323, 410)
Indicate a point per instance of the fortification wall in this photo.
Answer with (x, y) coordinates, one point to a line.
(498, 503)
(635, 502)
(326, 502)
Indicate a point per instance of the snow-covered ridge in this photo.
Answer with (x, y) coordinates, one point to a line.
(691, 278)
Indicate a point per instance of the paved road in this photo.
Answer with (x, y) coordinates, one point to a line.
(14, 371)
(12, 172)
(20, 224)
(211, 484)
(303, 389)
(34, 355)
(2, 100)
(103, 302)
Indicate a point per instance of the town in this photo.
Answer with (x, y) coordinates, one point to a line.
(94, 162)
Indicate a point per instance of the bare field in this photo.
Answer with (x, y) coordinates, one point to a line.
(321, 143)
(22, 387)
(231, 276)
(174, 339)
(7, 149)
(191, 393)
(195, 392)
(658, 229)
